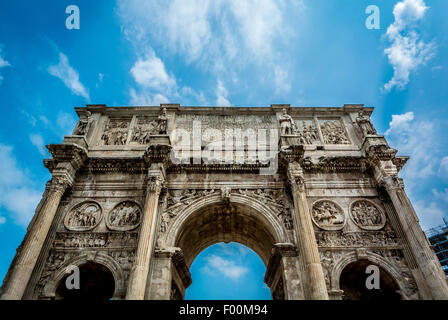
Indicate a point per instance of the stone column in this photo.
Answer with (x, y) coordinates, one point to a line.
(284, 265)
(32, 244)
(424, 256)
(317, 289)
(169, 267)
(139, 273)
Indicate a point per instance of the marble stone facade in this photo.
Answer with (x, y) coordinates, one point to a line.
(142, 191)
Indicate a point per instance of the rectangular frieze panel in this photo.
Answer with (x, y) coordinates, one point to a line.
(333, 131)
(116, 132)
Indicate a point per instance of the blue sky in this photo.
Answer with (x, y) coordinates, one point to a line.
(222, 52)
(228, 272)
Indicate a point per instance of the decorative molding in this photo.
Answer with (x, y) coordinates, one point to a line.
(365, 239)
(80, 240)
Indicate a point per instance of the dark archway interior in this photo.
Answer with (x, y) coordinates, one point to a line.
(353, 283)
(96, 283)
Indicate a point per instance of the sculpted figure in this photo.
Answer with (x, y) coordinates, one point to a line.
(365, 124)
(287, 124)
(84, 125)
(365, 214)
(162, 121)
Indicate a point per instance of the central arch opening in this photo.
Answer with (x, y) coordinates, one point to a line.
(218, 237)
(228, 271)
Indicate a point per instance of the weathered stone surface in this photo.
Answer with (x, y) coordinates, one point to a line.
(139, 192)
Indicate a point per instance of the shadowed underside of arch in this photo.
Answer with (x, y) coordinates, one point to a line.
(225, 223)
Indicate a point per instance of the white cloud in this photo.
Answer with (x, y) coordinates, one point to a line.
(442, 195)
(3, 63)
(430, 215)
(226, 267)
(150, 73)
(411, 138)
(220, 36)
(406, 52)
(201, 29)
(146, 99)
(38, 142)
(16, 193)
(155, 85)
(281, 79)
(443, 169)
(69, 76)
(221, 95)
(416, 138)
(400, 122)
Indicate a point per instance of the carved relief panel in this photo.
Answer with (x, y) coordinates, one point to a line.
(142, 130)
(367, 215)
(333, 132)
(84, 216)
(116, 131)
(328, 215)
(307, 131)
(125, 216)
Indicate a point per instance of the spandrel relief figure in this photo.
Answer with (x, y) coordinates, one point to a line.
(125, 216)
(84, 216)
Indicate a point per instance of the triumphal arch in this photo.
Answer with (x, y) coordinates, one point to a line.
(138, 192)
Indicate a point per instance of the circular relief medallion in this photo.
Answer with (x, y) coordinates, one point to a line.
(328, 215)
(125, 216)
(84, 216)
(366, 215)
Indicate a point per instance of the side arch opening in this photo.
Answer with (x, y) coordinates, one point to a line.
(96, 283)
(353, 283)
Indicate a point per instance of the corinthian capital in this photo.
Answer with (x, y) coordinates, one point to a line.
(59, 183)
(392, 182)
(155, 183)
(295, 176)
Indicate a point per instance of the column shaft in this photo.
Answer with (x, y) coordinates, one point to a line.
(315, 276)
(32, 245)
(424, 256)
(139, 274)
